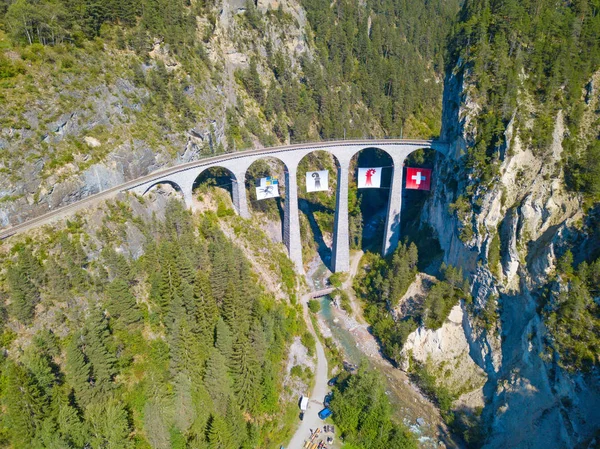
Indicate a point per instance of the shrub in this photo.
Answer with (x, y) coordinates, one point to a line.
(337, 279)
(314, 306)
(9, 69)
(309, 342)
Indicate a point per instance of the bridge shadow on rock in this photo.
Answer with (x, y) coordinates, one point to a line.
(308, 208)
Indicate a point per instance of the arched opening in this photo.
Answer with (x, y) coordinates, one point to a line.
(268, 210)
(166, 189)
(317, 205)
(213, 190)
(367, 207)
(413, 202)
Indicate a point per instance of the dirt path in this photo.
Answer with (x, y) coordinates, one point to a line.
(315, 405)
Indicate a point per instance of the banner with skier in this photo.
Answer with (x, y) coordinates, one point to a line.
(267, 188)
(317, 181)
(369, 178)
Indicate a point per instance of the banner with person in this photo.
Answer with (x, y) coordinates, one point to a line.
(267, 188)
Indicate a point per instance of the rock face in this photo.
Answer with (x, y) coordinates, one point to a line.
(445, 352)
(95, 131)
(529, 400)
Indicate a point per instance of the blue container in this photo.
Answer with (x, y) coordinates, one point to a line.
(325, 413)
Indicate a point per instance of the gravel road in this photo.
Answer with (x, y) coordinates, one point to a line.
(315, 405)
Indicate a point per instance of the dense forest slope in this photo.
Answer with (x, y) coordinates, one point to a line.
(94, 93)
(140, 325)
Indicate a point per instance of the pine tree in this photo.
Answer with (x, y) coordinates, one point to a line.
(235, 423)
(219, 434)
(170, 281)
(230, 306)
(246, 373)
(186, 268)
(219, 275)
(31, 266)
(57, 280)
(188, 354)
(217, 381)
(69, 422)
(24, 294)
(155, 427)
(101, 359)
(41, 368)
(121, 303)
(205, 310)
(25, 405)
(116, 263)
(109, 426)
(223, 339)
(49, 437)
(183, 402)
(78, 371)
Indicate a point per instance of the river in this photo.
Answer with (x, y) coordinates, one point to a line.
(356, 345)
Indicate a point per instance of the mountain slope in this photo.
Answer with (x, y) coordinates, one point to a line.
(97, 93)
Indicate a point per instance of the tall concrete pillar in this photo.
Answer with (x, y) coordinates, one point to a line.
(185, 186)
(238, 194)
(340, 257)
(291, 220)
(188, 198)
(391, 235)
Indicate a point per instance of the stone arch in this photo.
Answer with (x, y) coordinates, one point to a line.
(413, 202)
(367, 219)
(271, 209)
(262, 167)
(217, 176)
(168, 182)
(173, 184)
(318, 217)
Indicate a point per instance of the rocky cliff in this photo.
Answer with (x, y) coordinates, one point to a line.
(86, 119)
(518, 227)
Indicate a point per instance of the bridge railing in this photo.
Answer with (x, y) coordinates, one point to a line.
(329, 140)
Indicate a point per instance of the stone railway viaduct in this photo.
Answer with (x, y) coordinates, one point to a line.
(183, 179)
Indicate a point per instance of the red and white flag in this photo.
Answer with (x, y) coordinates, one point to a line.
(418, 178)
(369, 178)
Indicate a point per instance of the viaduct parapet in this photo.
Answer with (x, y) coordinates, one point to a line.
(184, 176)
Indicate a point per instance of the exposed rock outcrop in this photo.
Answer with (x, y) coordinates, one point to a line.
(95, 130)
(529, 400)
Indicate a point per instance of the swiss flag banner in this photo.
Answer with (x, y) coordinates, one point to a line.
(418, 178)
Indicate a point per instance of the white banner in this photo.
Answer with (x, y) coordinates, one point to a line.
(267, 188)
(317, 181)
(369, 178)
